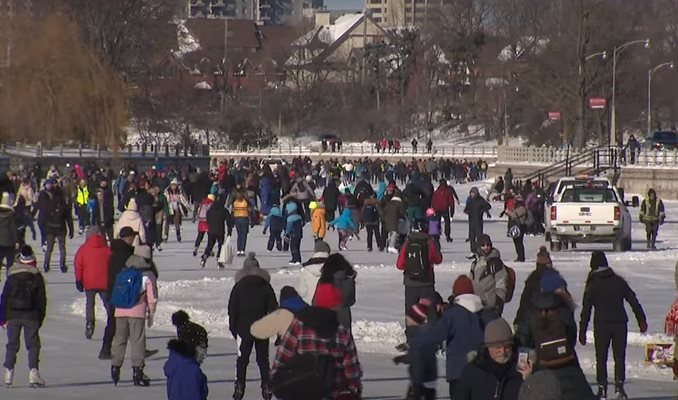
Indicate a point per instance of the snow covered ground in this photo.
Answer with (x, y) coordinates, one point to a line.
(72, 370)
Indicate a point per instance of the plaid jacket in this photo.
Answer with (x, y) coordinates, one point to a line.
(301, 338)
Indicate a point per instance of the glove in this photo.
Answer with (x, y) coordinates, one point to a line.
(582, 338)
(643, 326)
(78, 285)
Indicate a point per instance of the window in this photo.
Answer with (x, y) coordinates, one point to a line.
(589, 195)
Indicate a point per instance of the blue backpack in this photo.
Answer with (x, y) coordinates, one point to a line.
(127, 288)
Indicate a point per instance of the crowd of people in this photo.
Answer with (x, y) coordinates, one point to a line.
(402, 213)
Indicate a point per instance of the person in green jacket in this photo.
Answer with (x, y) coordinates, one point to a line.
(652, 215)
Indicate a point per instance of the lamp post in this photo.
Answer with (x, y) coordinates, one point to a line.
(601, 54)
(613, 111)
(650, 74)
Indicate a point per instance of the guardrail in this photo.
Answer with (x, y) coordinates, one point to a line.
(552, 155)
(21, 150)
(358, 150)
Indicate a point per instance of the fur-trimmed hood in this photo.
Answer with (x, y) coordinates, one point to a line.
(245, 272)
(20, 268)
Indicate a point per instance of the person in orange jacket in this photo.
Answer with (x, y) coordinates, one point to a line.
(318, 219)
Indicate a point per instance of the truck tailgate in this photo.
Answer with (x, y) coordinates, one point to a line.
(585, 214)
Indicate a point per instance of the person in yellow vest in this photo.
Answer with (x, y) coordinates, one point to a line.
(81, 200)
(652, 215)
(241, 217)
(318, 221)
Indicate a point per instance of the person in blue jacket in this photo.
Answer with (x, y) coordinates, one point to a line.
(460, 328)
(185, 379)
(294, 222)
(345, 227)
(274, 224)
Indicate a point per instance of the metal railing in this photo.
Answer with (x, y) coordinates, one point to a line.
(130, 151)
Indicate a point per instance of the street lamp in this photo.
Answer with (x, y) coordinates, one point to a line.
(601, 54)
(651, 73)
(613, 111)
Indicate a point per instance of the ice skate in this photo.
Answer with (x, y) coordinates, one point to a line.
(115, 375)
(89, 330)
(239, 391)
(35, 380)
(63, 267)
(139, 378)
(221, 265)
(195, 252)
(266, 392)
(45, 266)
(602, 393)
(620, 392)
(203, 261)
(9, 377)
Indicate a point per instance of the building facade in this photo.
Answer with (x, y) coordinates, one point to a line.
(398, 13)
(274, 12)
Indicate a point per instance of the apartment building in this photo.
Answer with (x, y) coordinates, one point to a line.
(396, 13)
(273, 12)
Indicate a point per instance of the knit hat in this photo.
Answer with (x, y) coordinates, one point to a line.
(498, 332)
(541, 385)
(598, 260)
(321, 246)
(543, 257)
(143, 251)
(419, 312)
(287, 292)
(474, 190)
(93, 230)
(188, 331)
(250, 261)
(27, 257)
(484, 239)
(327, 296)
(551, 281)
(462, 285)
(174, 181)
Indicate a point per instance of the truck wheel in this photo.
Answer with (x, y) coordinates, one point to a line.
(619, 245)
(629, 244)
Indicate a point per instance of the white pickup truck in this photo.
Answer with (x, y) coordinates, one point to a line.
(589, 211)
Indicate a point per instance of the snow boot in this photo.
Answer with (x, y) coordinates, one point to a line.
(158, 247)
(115, 375)
(63, 267)
(34, 379)
(411, 394)
(89, 330)
(239, 391)
(620, 392)
(266, 392)
(602, 392)
(9, 377)
(139, 378)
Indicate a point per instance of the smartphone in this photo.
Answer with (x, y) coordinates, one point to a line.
(523, 355)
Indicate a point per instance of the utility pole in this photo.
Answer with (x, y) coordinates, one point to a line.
(224, 69)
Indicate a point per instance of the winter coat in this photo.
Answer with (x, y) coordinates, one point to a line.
(345, 221)
(532, 288)
(310, 273)
(483, 379)
(251, 299)
(120, 252)
(433, 226)
(461, 329)
(301, 191)
(91, 263)
(393, 212)
(330, 196)
(434, 258)
(54, 213)
(266, 187)
(490, 279)
(279, 321)
(517, 216)
(241, 209)
(291, 216)
(370, 212)
(346, 284)
(107, 209)
(422, 356)
(21, 276)
(185, 379)
(413, 195)
(149, 298)
(203, 209)
(274, 220)
(131, 217)
(176, 200)
(8, 228)
(443, 199)
(217, 216)
(318, 222)
(606, 291)
(652, 210)
(476, 208)
(525, 333)
(26, 191)
(573, 383)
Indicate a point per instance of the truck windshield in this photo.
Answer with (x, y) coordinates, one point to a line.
(589, 195)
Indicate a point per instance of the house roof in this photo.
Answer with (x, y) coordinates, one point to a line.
(203, 39)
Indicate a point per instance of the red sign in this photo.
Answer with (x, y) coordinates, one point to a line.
(554, 116)
(597, 103)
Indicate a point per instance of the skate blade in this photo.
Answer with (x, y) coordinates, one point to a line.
(37, 385)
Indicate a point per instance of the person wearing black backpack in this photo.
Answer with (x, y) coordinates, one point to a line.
(417, 257)
(57, 220)
(371, 219)
(22, 307)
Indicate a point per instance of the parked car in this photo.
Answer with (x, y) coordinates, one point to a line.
(663, 140)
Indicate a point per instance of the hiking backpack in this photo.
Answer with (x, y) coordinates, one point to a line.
(416, 259)
(510, 283)
(127, 288)
(204, 209)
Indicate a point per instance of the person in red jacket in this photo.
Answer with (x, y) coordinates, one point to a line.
(91, 274)
(417, 257)
(442, 203)
(203, 208)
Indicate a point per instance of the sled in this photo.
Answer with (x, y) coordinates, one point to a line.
(659, 354)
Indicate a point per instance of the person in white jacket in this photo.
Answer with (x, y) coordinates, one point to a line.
(131, 217)
(310, 273)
